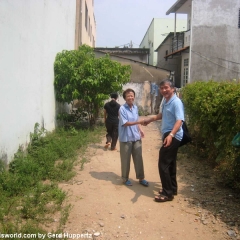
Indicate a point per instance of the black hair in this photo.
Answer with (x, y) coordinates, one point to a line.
(127, 91)
(167, 81)
(114, 95)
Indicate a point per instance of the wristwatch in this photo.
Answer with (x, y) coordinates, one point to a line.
(172, 135)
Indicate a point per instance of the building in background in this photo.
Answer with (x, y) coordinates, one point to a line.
(175, 43)
(85, 23)
(32, 33)
(158, 29)
(209, 50)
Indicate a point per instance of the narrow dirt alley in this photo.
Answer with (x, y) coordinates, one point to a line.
(107, 209)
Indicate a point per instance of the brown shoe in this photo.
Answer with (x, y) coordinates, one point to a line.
(163, 198)
(174, 193)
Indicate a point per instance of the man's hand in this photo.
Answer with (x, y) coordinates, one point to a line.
(146, 121)
(167, 141)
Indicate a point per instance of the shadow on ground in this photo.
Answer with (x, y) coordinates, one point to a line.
(137, 188)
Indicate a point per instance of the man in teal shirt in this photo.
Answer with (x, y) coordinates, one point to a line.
(172, 116)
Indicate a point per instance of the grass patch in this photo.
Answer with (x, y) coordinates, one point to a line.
(30, 196)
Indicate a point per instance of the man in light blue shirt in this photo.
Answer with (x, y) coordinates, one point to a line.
(173, 110)
(172, 116)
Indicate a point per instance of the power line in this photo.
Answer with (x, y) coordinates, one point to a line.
(218, 58)
(204, 57)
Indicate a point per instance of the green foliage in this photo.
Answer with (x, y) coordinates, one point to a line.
(30, 196)
(213, 109)
(79, 75)
(142, 112)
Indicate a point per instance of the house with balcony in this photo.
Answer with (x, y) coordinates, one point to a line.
(173, 54)
(156, 32)
(209, 49)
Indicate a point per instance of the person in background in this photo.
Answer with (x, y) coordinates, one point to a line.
(111, 121)
(172, 116)
(130, 134)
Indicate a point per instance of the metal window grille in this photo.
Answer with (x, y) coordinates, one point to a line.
(186, 62)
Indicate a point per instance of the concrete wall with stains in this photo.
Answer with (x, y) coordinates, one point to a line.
(32, 33)
(147, 102)
(215, 51)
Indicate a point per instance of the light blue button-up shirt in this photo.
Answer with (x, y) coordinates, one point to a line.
(172, 111)
(129, 133)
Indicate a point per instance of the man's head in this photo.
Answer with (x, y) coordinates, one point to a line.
(114, 95)
(167, 81)
(167, 88)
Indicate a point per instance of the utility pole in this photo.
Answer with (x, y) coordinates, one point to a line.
(130, 44)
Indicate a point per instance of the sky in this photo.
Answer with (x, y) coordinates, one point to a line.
(118, 22)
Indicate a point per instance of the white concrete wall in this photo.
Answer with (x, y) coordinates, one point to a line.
(215, 37)
(32, 33)
(147, 41)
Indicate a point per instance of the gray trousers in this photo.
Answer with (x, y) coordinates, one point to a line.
(134, 149)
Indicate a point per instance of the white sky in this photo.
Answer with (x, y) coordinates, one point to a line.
(121, 21)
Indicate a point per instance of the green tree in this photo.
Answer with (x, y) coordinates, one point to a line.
(79, 75)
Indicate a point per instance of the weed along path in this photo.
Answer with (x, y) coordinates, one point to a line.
(104, 208)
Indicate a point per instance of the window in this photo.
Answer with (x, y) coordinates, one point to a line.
(189, 24)
(86, 16)
(185, 63)
(185, 71)
(89, 26)
(239, 18)
(166, 53)
(91, 34)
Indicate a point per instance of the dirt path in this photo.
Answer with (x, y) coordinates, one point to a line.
(104, 207)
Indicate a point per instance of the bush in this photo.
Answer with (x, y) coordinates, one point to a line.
(79, 75)
(213, 110)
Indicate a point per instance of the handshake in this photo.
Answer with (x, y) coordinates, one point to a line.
(145, 122)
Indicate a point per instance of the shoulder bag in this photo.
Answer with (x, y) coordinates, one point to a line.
(186, 135)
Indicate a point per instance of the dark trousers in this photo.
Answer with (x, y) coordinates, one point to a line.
(112, 134)
(167, 167)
